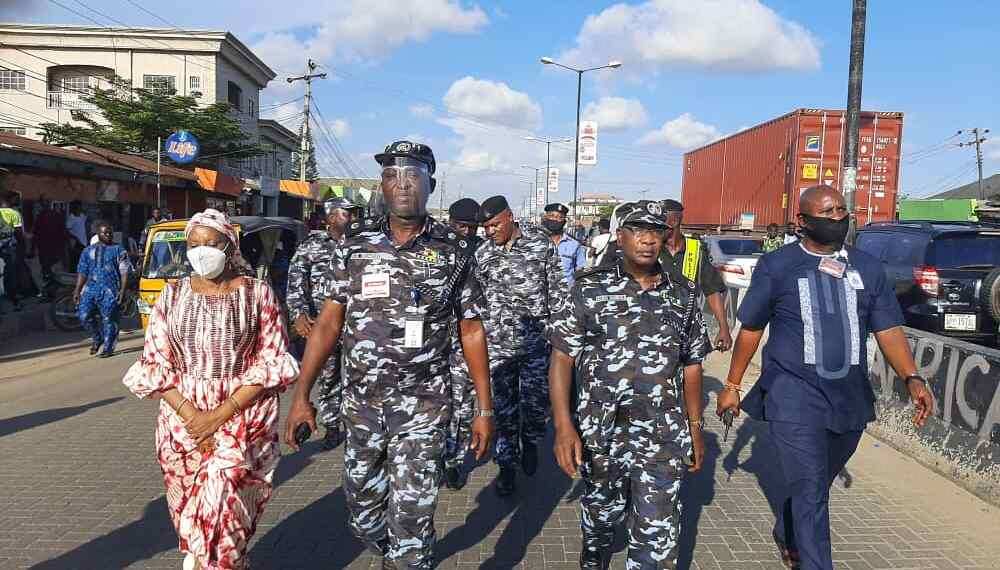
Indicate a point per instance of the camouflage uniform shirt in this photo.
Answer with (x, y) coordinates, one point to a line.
(312, 262)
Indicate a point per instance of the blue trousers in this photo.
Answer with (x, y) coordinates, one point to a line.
(810, 459)
(102, 326)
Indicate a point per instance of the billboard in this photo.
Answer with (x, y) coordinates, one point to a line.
(588, 143)
(553, 182)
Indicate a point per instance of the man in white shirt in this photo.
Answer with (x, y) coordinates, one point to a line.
(76, 226)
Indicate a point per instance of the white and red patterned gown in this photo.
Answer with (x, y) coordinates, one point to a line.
(208, 346)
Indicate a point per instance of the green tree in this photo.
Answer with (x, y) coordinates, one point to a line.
(130, 120)
(605, 211)
(312, 170)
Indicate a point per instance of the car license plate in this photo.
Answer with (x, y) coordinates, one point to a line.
(957, 322)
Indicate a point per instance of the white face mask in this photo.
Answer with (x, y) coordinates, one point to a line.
(207, 261)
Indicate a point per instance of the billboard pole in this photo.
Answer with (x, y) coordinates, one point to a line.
(853, 114)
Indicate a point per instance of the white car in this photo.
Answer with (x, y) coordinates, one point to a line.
(735, 256)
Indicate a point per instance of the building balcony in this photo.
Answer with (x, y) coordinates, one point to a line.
(63, 100)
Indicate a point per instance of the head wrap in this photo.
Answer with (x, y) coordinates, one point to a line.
(217, 221)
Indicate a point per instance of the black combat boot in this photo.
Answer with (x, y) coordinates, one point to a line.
(591, 560)
(506, 481)
(454, 479)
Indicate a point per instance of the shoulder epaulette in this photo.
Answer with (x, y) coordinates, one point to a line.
(361, 226)
(592, 271)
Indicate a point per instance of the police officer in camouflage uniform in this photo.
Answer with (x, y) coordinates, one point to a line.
(397, 286)
(522, 277)
(631, 330)
(463, 217)
(306, 293)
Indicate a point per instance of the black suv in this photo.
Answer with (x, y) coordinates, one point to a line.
(945, 273)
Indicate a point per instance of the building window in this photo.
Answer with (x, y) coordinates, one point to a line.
(74, 84)
(20, 131)
(11, 80)
(235, 96)
(162, 84)
(252, 107)
(194, 83)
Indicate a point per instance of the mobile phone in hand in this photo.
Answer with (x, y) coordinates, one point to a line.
(302, 433)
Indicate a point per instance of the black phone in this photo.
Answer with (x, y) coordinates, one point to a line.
(302, 433)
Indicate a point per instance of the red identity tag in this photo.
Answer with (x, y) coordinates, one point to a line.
(832, 267)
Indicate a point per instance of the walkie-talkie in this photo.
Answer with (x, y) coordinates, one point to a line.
(727, 420)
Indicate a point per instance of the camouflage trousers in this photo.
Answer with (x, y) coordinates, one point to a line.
(636, 481)
(519, 373)
(463, 405)
(329, 395)
(391, 473)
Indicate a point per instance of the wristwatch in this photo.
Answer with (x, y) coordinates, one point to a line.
(481, 413)
(906, 381)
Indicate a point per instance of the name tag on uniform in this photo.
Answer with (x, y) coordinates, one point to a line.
(374, 286)
(832, 267)
(854, 279)
(414, 334)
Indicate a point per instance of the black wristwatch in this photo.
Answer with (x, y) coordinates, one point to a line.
(906, 381)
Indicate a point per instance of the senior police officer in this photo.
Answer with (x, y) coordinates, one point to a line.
(631, 329)
(463, 217)
(309, 268)
(821, 299)
(572, 255)
(523, 280)
(398, 284)
(688, 258)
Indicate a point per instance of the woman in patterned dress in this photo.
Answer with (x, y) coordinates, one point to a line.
(216, 357)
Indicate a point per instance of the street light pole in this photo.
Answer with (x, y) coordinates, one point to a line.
(579, 89)
(853, 113)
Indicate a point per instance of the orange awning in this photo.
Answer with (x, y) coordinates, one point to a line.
(297, 188)
(213, 181)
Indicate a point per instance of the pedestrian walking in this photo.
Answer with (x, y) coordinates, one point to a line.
(307, 283)
(572, 255)
(101, 277)
(463, 218)
(631, 329)
(688, 258)
(49, 242)
(76, 227)
(821, 299)
(774, 239)
(216, 355)
(524, 283)
(155, 217)
(397, 286)
(11, 238)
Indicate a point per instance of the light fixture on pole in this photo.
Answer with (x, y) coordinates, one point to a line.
(613, 64)
(534, 195)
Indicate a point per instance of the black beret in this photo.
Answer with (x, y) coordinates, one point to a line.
(557, 207)
(331, 204)
(669, 205)
(464, 210)
(413, 150)
(491, 207)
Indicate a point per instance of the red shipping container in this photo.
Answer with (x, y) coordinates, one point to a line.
(763, 170)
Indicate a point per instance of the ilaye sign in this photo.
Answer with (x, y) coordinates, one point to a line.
(182, 147)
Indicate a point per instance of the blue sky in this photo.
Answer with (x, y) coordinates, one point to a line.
(465, 78)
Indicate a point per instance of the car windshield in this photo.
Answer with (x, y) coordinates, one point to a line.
(739, 246)
(965, 250)
(167, 257)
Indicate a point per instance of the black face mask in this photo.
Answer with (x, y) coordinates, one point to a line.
(826, 231)
(554, 226)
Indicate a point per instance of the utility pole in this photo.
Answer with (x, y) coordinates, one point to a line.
(444, 175)
(978, 139)
(853, 114)
(305, 151)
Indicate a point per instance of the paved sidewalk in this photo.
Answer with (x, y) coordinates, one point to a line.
(80, 489)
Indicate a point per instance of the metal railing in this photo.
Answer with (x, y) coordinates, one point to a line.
(62, 100)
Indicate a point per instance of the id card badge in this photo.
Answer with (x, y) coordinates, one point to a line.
(374, 286)
(413, 336)
(832, 267)
(854, 279)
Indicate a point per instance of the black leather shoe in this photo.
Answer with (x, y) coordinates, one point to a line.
(591, 560)
(529, 458)
(94, 348)
(332, 438)
(105, 354)
(506, 481)
(454, 479)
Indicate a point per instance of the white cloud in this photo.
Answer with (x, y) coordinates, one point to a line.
(992, 149)
(493, 102)
(362, 30)
(340, 128)
(741, 35)
(616, 113)
(684, 132)
(422, 111)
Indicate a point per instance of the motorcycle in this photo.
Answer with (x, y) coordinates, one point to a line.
(62, 310)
